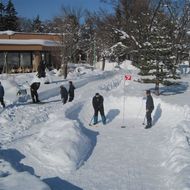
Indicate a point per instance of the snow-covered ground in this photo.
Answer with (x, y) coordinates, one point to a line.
(51, 145)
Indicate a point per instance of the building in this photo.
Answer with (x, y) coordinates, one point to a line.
(22, 52)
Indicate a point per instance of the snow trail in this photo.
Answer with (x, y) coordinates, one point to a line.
(119, 158)
(129, 158)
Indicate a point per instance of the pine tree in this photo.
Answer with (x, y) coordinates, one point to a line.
(2, 19)
(11, 19)
(37, 24)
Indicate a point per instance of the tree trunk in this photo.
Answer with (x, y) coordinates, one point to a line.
(157, 90)
(103, 63)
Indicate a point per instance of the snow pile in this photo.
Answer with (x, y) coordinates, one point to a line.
(109, 66)
(60, 147)
(178, 162)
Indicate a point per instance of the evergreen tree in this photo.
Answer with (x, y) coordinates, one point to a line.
(37, 24)
(11, 19)
(2, 19)
(26, 24)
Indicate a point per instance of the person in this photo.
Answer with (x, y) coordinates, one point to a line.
(2, 93)
(71, 91)
(33, 89)
(64, 94)
(98, 106)
(41, 69)
(149, 108)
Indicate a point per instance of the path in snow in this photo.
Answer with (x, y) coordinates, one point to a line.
(123, 158)
(129, 158)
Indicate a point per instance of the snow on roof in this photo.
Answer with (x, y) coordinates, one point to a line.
(8, 32)
(28, 42)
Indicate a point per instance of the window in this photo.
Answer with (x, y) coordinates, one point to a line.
(13, 60)
(2, 59)
(25, 60)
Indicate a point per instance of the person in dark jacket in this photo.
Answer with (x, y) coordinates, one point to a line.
(41, 69)
(149, 108)
(98, 106)
(64, 94)
(33, 89)
(2, 93)
(71, 91)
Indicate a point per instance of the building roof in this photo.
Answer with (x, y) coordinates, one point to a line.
(18, 41)
(28, 42)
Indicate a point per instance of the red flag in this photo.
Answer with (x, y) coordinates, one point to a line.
(128, 77)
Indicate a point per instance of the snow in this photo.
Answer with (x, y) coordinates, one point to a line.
(51, 145)
(7, 32)
(29, 42)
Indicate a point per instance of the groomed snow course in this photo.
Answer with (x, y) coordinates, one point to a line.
(57, 145)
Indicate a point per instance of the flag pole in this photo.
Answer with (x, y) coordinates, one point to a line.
(127, 77)
(123, 126)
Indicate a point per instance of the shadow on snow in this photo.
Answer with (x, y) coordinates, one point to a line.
(58, 184)
(157, 114)
(111, 115)
(14, 157)
(174, 89)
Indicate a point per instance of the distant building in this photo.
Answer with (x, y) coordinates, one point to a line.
(22, 52)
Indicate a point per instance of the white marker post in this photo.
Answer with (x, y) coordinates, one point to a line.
(127, 77)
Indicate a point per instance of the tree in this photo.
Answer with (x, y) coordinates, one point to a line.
(2, 18)
(68, 25)
(37, 25)
(11, 19)
(25, 24)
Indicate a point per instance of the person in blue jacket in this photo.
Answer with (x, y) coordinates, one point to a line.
(2, 93)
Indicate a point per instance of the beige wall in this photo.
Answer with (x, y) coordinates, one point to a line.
(36, 61)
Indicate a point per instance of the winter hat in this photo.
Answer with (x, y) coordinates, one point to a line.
(147, 91)
(97, 94)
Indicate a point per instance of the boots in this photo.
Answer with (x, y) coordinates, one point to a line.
(149, 125)
(95, 120)
(103, 119)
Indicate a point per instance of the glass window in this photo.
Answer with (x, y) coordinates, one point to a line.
(25, 60)
(2, 59)
(13, 59)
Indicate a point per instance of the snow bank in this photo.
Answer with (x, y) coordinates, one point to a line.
(60, 147)
(178, 161)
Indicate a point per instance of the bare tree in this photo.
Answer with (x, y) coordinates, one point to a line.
(68, 25)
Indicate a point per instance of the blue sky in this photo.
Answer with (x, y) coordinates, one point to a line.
(47, 9)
